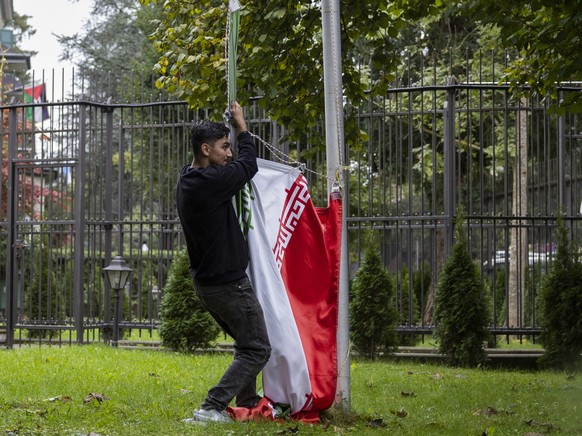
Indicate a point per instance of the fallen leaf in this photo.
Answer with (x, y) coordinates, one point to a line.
(93, 396)
(376, 423)
(437, 376)
(488, 411)
(548, 426)
(399, 413)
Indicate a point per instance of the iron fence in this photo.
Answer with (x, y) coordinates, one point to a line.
(97, 179)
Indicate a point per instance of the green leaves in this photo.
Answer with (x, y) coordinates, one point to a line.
(547, 37)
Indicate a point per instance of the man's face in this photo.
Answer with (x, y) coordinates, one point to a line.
(220, 153)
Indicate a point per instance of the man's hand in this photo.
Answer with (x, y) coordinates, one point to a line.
(237, 115)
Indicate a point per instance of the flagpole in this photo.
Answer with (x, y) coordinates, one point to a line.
(334, 137)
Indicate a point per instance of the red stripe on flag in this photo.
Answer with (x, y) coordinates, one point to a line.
(310, 271)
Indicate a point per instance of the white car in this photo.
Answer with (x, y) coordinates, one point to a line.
(502, 256)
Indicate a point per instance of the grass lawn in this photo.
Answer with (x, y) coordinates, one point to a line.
(96, 389)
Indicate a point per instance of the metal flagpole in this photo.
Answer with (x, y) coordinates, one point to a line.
(334, 137)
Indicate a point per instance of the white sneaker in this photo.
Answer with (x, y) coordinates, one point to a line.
(202, 416)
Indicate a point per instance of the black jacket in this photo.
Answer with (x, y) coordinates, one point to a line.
(216, 246)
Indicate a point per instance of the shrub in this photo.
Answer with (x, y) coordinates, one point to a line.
(184, 323)
(373, 316)
(561, 295)
(460, 310)
(42, 301)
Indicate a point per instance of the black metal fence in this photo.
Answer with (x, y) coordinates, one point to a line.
(97, 179)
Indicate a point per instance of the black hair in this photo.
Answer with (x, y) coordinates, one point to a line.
(206, 131)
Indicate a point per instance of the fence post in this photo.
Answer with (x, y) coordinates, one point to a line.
(449, 167)
(11, 209)
(564, 197)
(108, 207)
(79, 255)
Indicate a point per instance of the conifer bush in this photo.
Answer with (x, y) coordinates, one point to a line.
(184, 323)
(561, 301)
(373, 315)
(461, 315)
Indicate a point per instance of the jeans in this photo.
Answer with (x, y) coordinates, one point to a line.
(237, 310)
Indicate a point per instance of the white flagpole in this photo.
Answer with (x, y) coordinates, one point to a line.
(334, 138)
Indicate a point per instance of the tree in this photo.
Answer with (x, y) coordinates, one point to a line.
(562, 305)
(461, 314)
(373, 315)
(546, 34)
(280, 55)
(184, 323)
(113, 43)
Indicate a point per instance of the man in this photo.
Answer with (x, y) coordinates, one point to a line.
(219, 257)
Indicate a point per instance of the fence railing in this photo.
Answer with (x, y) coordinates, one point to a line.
(96, 180)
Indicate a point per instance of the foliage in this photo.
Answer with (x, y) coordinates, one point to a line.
(113, 43)
(561, 295)
(184, 323)
(31, 195)
(42, 302)
(498, 292)
(546, 34)
(373, 317)
(461, 315)
(280, 55)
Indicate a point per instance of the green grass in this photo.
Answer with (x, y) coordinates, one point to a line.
(144, 392)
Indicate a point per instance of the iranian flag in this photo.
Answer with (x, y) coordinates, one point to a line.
(36, 94)
(294, 249)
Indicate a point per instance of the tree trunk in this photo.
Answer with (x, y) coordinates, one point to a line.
(518, 246)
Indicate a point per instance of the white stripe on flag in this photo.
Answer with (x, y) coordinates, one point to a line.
(286, 375)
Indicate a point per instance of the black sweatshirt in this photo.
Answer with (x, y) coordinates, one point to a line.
(216, 246)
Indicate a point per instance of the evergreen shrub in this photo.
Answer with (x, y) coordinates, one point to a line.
(184, 323)
(461, 315)
(373, 315)
(561, 295)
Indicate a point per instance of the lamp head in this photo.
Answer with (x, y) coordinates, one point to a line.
(117, 273)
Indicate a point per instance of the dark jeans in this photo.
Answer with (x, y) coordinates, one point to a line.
(236, 309)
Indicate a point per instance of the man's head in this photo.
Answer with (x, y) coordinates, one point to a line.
(210, 143)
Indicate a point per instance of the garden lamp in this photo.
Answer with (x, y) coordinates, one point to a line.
(117, 275)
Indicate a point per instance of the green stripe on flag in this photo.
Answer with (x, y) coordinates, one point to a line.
(232, 53)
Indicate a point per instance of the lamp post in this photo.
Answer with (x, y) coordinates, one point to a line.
(117, 275)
